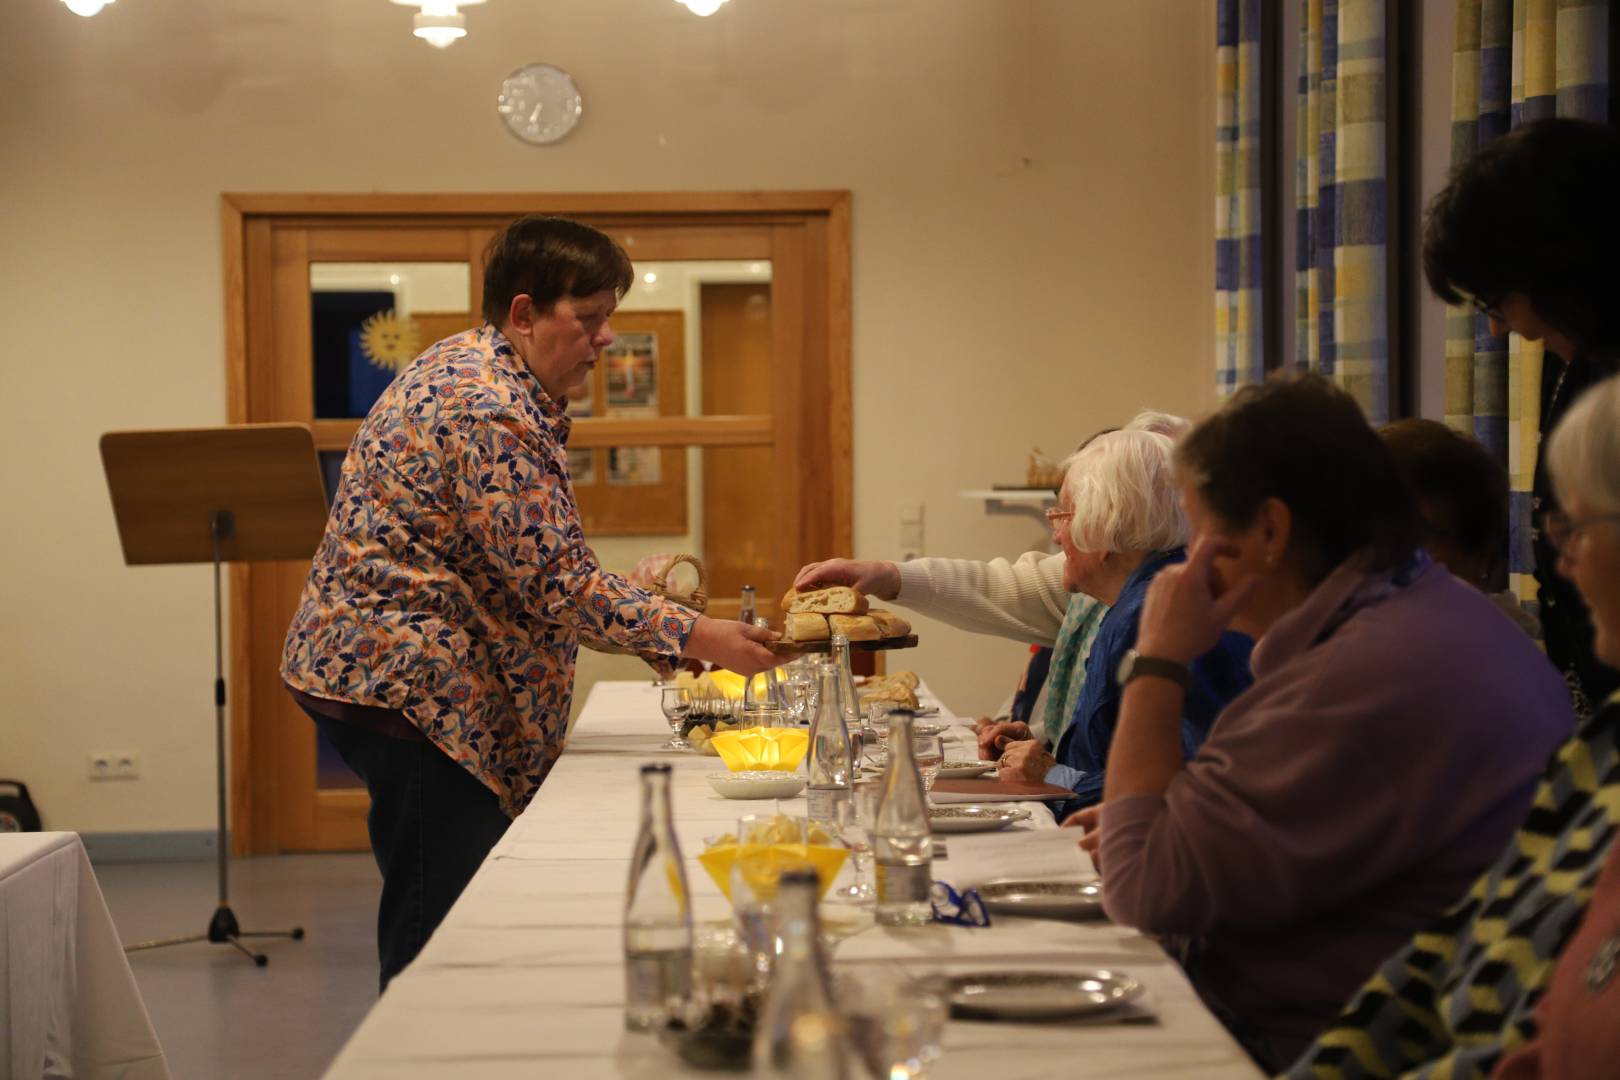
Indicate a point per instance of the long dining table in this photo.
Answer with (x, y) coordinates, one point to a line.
(525, 975)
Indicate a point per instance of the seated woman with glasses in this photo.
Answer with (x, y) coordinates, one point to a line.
(1119, 522)
(1388, 747)
(1025, 600)
(1518, 980)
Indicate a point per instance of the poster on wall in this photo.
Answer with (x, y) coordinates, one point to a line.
(582, 466)
(631, 368)
(632, 465)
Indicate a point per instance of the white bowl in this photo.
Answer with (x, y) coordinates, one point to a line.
(756, 784)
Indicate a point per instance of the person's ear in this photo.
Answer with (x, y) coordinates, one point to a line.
(1276, 529)
(521, 314)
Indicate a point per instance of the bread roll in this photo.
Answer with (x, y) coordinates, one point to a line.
(837, 600)
(900, 695)
(806, 626)
(906, 679)
(891, 624)
(855, 627)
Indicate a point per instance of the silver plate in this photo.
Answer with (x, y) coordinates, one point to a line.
(970, 818)
(1045, 899)
(1038, 995)
(954, 769)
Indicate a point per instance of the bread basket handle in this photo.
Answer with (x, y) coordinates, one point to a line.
(698, 600)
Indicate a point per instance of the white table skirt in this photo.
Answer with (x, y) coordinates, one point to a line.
(525, 976)
(67, 997)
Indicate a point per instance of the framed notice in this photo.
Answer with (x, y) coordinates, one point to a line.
(635, 490)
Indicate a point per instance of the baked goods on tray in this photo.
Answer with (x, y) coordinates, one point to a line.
(812, 617)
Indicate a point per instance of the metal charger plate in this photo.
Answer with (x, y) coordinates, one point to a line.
(967, 819)
(1037, 995)
(1045, 899)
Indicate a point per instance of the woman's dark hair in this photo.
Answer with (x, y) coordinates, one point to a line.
(1298, 438)
(550, 258)
(1461, 489)
(1535, 212)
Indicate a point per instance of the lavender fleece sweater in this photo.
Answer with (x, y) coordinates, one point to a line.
(1349, 796)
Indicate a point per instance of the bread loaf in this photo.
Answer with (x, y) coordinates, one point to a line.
(855, 627)
(894, 692)
(805, 626)
(836, 600)
(889, 623)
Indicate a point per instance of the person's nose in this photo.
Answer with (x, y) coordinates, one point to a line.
(604, 337)
(1498, 326)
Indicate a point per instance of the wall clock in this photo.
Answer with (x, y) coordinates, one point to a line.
(539, 103)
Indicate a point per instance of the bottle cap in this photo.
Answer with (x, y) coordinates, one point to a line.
(646, 769)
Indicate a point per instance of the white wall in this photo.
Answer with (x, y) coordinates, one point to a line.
(1032, 188)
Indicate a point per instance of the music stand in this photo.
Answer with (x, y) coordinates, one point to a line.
(231, 494)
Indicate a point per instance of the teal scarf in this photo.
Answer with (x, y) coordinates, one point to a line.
(1068, 671)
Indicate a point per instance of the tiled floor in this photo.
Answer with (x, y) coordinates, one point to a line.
(219, 1016)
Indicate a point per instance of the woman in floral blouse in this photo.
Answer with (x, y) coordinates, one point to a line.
(434, 643)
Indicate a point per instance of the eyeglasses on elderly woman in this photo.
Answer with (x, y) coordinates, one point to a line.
(1561, 529)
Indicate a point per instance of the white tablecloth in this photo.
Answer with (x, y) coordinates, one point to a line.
(67, 997)
(525, 976)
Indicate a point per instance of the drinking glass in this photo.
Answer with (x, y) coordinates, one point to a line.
(896, 1024)
(930, 756)
(764, 716)
(676, 702)
(856, 818)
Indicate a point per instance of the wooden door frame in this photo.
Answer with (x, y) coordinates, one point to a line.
(817, 436)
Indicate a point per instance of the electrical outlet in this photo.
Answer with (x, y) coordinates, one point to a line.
(114, 765)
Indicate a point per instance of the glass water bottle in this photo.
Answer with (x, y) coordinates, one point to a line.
(657, 915)
(748, 612)
(902, 844)
(799, 1033)
(853, 718)
(831, 765)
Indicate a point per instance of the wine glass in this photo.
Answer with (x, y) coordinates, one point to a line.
(896, 1024)
(856, 817)
(676, 703)
(930, 755)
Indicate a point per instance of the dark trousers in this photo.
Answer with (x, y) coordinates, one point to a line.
(431, 824)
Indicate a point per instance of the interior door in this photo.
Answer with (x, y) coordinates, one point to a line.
(708, 436)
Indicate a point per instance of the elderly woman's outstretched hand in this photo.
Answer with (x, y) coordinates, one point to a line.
(872, 577)
(1183, 616)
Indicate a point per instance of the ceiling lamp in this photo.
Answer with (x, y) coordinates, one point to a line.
(86, 8)
(702, 7)
(438, 22)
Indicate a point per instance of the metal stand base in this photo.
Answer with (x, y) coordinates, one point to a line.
(222, 928)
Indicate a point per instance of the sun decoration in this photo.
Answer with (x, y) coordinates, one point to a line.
(389, 341)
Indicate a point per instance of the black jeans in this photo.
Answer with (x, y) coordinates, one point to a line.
(431, 824)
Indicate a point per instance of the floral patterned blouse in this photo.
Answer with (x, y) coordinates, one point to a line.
(453, 582)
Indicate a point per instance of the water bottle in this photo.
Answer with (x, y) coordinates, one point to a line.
(902, 843)
(799, 1033)
(854, 719)
(764, 691)
(748, 612)
(657, 915)
(831, 765)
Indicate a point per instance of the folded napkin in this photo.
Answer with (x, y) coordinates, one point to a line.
(1029, 855)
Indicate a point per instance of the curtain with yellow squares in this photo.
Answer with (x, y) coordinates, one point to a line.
(1239, 326)
(1341, 279)
(1516, 61)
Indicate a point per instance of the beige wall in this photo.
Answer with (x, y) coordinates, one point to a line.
(1032, 219)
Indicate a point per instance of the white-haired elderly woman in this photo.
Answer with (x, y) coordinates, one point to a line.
(1025, 600)
(1119, 521)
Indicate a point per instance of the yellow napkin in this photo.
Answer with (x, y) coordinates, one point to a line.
(762, 748)
(765, 863)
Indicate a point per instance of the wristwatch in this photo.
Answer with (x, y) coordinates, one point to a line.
(1135, 666)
